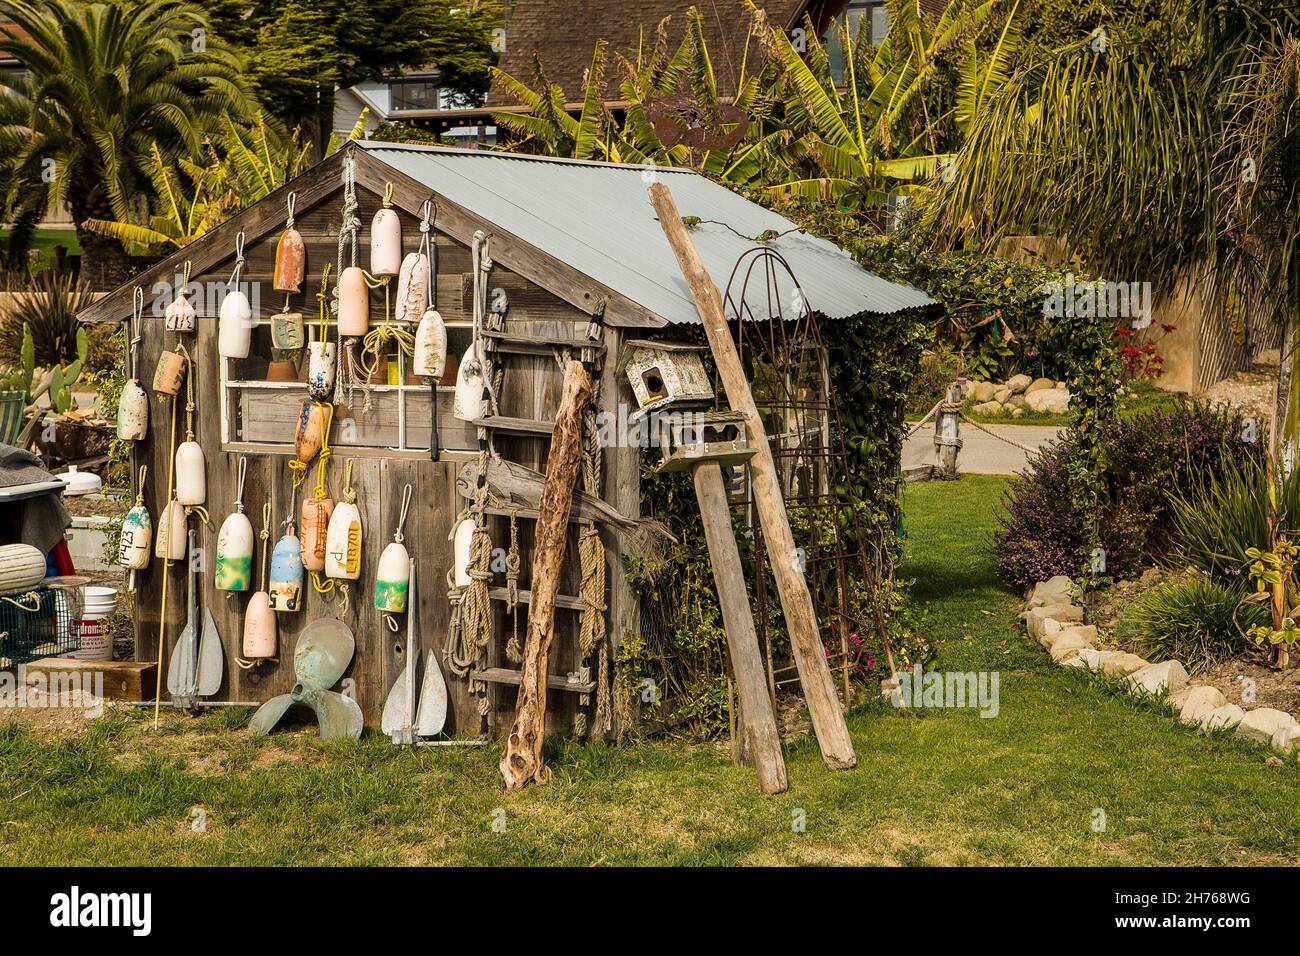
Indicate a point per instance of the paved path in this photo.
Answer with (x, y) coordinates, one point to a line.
(981, 453)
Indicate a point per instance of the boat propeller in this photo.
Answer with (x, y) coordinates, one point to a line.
(324, 651)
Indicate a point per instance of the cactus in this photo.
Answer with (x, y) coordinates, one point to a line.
(59, 380)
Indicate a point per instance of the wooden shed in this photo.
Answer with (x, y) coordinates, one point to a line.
(575, 264)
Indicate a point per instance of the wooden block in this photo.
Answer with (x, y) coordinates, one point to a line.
(123, 680)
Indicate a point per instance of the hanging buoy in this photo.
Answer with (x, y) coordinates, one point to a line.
(431, 346)
(133, 404)
(461, 539)
(287, 573)
(169, 376)
(234, 334)
(316, 514)
(320, 370)
(343, 543)
(137, 533)
(392, 577)
(132, 412)
(290, 255)
(234, 565)
(235, 553)
(169, 543)
(235, 325)
(288, 334)
(290, 259)
(259, 628)
(386, 240)
(191, 480)
(468, 404)
(180, 314)
(308, 434)
(259, 619)
(354, 303)
(412, 288)
(343, 539)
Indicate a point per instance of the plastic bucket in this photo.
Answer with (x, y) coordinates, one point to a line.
(97, 604)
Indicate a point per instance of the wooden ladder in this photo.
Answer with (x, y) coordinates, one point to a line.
(500, 345)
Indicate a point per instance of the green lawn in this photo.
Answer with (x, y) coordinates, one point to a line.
(44, 242)
(931, 786)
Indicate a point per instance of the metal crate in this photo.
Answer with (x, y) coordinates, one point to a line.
(39, 623)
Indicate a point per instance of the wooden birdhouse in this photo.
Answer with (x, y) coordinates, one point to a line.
(663, 374)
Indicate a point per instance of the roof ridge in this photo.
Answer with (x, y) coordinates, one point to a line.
(381, 146)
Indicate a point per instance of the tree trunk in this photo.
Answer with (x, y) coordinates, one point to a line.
(522, 760)
(104, 262)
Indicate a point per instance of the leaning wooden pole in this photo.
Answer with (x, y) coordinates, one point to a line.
(762, 742)
(796, 602)
(522, 760)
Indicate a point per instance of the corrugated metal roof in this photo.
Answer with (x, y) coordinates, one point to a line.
(597, 218)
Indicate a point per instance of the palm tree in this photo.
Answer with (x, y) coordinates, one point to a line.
(1169, 166)
(100, 85)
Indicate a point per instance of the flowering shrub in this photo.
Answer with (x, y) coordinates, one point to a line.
(1146, 459)
(1140, 355)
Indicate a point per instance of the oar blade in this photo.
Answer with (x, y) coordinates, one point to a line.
(396, 708)
(212, 659)
(432, 713)
(180, 669)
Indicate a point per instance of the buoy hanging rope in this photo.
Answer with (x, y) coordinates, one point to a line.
(321, 584)
(265, 536)
(239, 485)
(428, 246)
(238, 271)
(137, 331)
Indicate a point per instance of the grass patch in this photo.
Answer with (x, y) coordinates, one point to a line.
(931, 786)
(44, 242)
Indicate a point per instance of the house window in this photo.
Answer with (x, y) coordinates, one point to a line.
(869, 15)
(414, 93)
(265, 392)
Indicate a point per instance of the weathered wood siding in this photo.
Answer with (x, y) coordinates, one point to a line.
(531, 390)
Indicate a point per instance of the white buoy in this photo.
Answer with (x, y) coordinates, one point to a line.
(235, 325)
(461, 540)
(412, 288)
(468, 405)
(169, 543)
(430, 346)
(343, 543)
(320, 370)
(234, 571)
(385, 244)
(354, 303)
(132, 412)
(137, 535)
(133, 404)
(392, 578)
(191, 478)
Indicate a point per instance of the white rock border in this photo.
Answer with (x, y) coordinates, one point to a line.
(1055, 621)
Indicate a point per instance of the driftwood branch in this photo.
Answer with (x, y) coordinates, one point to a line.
(522, 760)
